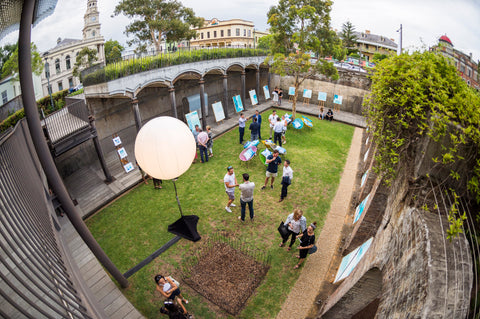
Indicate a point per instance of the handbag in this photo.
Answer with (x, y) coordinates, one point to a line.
(283, 230)
(313, 249)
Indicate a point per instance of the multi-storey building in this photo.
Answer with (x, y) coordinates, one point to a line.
(229, 33)
(467, 68)
(369, 44)
(59, 61)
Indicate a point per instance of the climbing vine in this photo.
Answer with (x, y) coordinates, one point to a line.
(420, 96)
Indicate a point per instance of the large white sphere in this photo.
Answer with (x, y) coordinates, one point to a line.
(165, 147)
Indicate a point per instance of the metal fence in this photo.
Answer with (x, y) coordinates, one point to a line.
(35, 280)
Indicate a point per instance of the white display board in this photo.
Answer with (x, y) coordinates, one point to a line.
(218, 111)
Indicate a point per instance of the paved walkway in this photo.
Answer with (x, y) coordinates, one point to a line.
(303, 294)
(88, 188)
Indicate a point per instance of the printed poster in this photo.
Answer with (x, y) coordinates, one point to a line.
(192, 120)
(253, 97)
(337, 99)
(237, 101)
(350, 261)
(117, 141)
(122, 153)
(291, 90)
(218, 111)
(360, 209)
(307, 93)
(322, 96)
(266, 92)
(128, 167)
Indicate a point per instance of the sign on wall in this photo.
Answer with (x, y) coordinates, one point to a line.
(253, 97)
(350, 261)
(337, 99)
(291, 90)
(192, 120)
(307, 93)
(360, 209)
(266, 92)
(322, 96)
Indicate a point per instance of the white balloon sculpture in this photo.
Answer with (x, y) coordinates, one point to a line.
(165, 148)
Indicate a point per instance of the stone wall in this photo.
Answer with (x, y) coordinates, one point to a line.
(411, 269)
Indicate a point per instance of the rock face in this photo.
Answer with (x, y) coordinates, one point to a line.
(411, 270)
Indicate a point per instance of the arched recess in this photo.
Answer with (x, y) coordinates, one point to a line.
(360, 301)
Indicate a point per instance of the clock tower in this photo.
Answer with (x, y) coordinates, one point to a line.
(91, 27)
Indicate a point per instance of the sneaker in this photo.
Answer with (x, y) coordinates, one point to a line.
(263, 187)
(232, 205)
(228, 209)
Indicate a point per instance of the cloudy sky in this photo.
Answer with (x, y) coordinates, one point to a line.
(424, 21)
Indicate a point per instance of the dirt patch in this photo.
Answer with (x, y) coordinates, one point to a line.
(226, 276)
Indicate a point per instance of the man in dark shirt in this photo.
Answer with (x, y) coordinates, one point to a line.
(329, 115)
(259, 121)
(254, 130)
(273, 161)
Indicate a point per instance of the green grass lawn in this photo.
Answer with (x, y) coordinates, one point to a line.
(135, 225)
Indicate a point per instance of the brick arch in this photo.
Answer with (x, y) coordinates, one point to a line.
(360, 301)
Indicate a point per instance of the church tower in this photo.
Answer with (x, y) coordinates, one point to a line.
(91, 27)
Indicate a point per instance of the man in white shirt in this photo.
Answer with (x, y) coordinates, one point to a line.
(202, 140)
(286, 179)
(277, 131)
(241, 126)
(230, 183)
(272, 119)
(246, 196)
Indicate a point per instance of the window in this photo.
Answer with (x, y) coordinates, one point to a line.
(249, 33)
(93, 33)
(214, 34)
(60, 86)
(237, 32)
(49, 88)
(201, 35)
(469, 72)
(47, 70)
(366, 46)
(208, 35)
(244, 32)
(229, 33)
(92, 18)
(4, 97)
(67, 62)
(70, 82)
(221, 33)
(57, 66)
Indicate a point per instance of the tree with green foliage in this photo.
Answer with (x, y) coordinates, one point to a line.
(300, 29)
(10, 67)
(421, 96)
(113, 51)
(158, 20)
(265, 42)
(377, 57)
(349, 38)
(5, 52)
(85, 59)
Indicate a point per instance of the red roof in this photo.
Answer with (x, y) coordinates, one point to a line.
(446, 39)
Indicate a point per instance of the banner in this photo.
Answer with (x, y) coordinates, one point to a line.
(350, 261)
(322, 96)
(337, 99)
(253, 97)
(266, 92)
(307, 93)
(291, 90)
(237, 101)
(218, 111)
(192, 120)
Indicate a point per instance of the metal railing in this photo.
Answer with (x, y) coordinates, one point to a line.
(155, 60)
(35, 281)
(64, 123)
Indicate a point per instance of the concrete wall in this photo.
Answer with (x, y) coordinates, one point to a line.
(423, 275)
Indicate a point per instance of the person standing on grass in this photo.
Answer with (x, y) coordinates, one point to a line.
(259, 121)
(230, 183)
(246, 196)
(210, 141)
(272, 168)
(286, 179)
(202, 139)
(284, 132)
(307, 241)
(169, 289)
(272, 119)
(277, 131)
(254, 130)
(241, 126)
(295, 223)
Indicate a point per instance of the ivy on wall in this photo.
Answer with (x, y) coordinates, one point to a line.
(417, 96)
